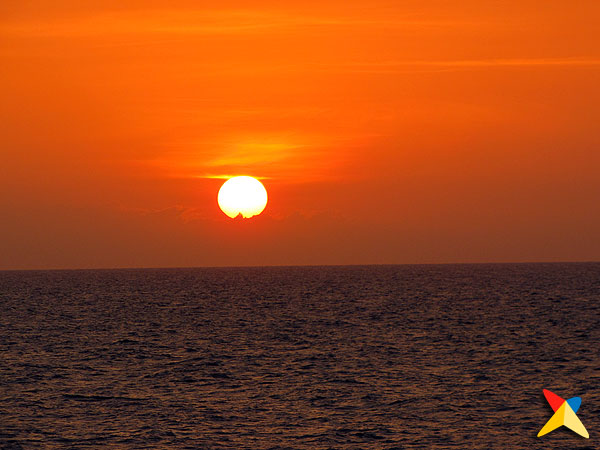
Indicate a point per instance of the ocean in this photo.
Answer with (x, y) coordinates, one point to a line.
(356, 357)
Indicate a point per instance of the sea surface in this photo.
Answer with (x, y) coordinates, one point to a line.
(358, 357)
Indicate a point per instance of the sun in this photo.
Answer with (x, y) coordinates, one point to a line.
(242, 195)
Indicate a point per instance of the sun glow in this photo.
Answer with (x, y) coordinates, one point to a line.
(242, 195)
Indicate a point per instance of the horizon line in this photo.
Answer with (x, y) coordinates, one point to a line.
(71, 269)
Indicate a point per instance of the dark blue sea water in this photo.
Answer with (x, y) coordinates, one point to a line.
(373, 357)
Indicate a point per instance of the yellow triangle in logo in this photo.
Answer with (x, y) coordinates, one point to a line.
(557, 420)
(572, 422)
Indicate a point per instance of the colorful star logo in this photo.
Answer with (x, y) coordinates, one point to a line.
(564, 414)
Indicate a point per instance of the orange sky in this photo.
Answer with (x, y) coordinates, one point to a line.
(384, 131)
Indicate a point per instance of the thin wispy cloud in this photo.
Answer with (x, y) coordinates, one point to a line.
(409, 66)
(194, 22)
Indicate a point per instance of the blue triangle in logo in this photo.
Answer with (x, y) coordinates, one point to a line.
(574, 403)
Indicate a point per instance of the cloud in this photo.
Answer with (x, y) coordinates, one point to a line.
(174, 22)
(462, 64)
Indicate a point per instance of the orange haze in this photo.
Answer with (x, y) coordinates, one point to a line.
(384, 131)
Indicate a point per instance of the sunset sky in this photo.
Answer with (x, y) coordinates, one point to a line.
(384, 131)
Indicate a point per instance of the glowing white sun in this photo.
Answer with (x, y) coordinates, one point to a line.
(242, 195)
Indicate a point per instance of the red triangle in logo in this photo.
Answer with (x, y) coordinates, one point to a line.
(554, 400)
